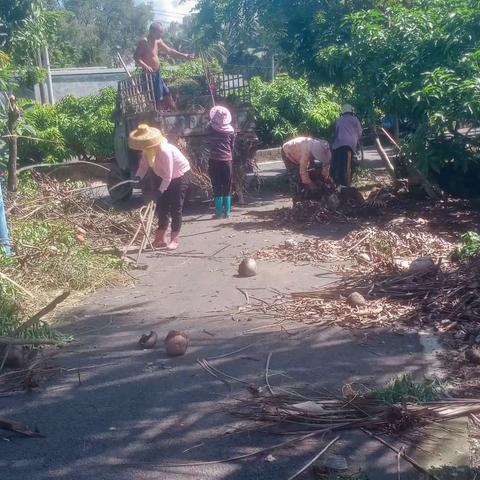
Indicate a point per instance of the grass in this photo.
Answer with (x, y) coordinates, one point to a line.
(404, 389)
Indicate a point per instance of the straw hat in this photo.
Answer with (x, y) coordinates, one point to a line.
(145, 137)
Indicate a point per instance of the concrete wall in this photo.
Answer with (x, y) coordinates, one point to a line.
(269, 155)
(81, 82)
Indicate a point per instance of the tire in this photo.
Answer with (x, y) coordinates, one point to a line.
(120, 193)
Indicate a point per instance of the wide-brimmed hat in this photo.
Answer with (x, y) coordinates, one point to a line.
(347, 108)
(145, 137)
(221, 119)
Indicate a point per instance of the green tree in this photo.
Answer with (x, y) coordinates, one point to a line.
(92, 31)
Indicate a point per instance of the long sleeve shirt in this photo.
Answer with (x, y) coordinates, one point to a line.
(170, 163)
(302, 150)
(348, 131)
(221, 144)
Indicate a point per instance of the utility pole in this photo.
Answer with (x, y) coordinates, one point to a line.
(273, 67)
(46, 63)
(41, 85)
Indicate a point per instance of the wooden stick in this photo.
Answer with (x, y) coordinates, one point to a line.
(267, 367)
(146, 216)
(14, 283)
(41, 313)
(384, 157)
(231, 459)
(17, 427)
(313, 460)
(401, 454)
(19, 341)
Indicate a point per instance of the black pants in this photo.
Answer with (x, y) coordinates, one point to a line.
(341, 167)
(170, 203)
(220, 173)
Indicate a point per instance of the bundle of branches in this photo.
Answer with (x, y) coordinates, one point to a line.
(446, 298)
(99, 224)
(57, 234)
(285, 411)
(197, 151)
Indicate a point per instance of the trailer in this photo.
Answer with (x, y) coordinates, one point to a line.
(185, 128)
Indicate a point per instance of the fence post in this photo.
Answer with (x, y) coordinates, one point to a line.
(4, 242)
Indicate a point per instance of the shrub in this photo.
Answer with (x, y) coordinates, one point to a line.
(288, 107)
(469, 248)
(74, 127)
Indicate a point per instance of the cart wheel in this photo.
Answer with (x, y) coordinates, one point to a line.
(119, 192)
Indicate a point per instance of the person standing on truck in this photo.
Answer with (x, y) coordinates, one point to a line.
(146, 57)
(221, 140)
(298, 154)
(169, 179)
(348, 131)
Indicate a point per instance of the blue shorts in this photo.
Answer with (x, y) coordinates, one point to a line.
(160, 89)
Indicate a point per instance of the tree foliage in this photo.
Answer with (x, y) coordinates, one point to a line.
(75, 127)
(90, 32)
(417, 59)
(289, 107)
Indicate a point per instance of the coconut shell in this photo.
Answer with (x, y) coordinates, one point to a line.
(247, 268)
(148, 340)
(422, 265)
(176, 343)
(472, 355)
(356, 299)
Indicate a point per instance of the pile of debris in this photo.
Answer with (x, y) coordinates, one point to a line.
(377, 248)
(96, 224)
(447, 299)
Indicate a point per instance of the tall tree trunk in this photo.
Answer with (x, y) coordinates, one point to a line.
(13, 116)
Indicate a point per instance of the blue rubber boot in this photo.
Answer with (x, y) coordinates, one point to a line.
(228, 206)
(218, 207)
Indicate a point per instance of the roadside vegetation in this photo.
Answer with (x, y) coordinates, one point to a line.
(52, 252)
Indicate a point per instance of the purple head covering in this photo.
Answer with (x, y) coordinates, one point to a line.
(221, 119)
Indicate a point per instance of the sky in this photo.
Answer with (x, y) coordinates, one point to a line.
(172, 10)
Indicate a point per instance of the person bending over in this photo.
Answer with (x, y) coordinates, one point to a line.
(298, 154)
(171, 174)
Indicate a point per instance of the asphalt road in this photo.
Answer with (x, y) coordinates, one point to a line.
(117, 409)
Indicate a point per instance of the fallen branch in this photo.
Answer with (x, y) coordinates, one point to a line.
(383, 155)
(14, 283)
(313, 460)
(228, 460)
(17, 427)
(402, 454)
(26, 341)
(41, 313)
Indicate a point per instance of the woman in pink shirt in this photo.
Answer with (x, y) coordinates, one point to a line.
(172, 172)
